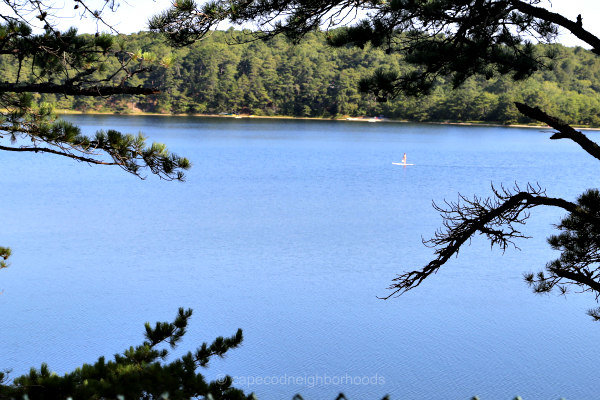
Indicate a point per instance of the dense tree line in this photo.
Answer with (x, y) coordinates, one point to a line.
(311, 79)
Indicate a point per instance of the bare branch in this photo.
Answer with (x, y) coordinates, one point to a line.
(496, 218)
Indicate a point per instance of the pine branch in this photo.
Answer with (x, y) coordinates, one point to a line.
(574, 27)
(128, 152)
(140, 372)
(565, 131)
(578, 277)
(60, 153)
(579, 247)
(5, 253)
(495, 218)
(75, 90)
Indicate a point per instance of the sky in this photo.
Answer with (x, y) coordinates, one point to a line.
(132, 15)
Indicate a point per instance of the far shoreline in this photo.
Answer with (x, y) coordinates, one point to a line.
(343, 119)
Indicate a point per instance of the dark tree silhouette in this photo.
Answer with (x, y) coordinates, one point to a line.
(62, 62)
(456, 40)
(138, 373)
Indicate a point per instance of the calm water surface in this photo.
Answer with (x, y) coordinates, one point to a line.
(289, 230)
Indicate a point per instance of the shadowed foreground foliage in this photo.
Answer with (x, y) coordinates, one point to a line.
(140, 372)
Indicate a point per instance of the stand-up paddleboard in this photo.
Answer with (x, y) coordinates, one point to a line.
(404, 163)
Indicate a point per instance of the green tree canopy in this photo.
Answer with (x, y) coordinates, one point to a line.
(440, 38)
(278, 78)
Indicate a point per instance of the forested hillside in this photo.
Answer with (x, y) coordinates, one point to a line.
(314, 80)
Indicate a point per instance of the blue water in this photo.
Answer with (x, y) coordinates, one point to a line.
(290, 230)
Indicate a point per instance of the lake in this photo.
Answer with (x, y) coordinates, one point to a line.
(290, 230)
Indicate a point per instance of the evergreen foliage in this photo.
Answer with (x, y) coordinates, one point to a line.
(310, 79)
(39, 60)
(140, 372)
(579, 247)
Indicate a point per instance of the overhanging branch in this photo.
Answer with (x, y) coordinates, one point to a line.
(74, 90)
(60, 153)
(579, 278)
(493, 218)
(565, 131)
(573, 26)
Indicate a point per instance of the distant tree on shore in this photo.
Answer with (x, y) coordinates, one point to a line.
(448, 40)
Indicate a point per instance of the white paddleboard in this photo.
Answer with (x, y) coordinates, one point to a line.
(399, 163)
